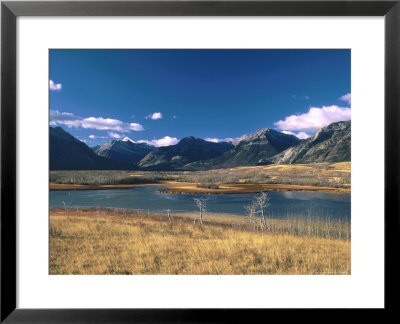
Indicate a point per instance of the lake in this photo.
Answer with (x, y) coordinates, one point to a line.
(316, 205)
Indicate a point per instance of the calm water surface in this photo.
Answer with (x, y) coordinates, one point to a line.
(284, 204)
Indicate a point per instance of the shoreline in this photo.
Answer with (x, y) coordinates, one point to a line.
(211, 218)
(64, 187)
(176, 187)
(191, 188)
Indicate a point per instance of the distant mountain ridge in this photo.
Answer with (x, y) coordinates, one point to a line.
(266, 146)
(189, 149)
(253, 149)
(125, 151)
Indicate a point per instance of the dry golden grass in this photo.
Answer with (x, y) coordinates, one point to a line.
(319, 177)
(93, 243)
(314, 177)
(195, 188)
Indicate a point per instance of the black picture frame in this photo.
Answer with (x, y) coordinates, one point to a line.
(10, 10)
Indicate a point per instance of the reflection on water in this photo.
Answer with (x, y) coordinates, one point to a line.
(314, 195)
(316, 205)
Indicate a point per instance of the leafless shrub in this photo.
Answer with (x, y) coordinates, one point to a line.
(201, 204)
(258, 207)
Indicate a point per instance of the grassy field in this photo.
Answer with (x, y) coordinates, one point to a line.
(91, 177)
(312, 177)
(117, 242)
(336, 175)
(179, 187)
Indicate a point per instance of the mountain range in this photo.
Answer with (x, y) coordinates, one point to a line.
(188, 150)
(68, 153)
(254, 149)
(266, 146)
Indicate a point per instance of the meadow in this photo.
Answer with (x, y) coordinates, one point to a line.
(115, 241)
(127, 241)
(317, 175)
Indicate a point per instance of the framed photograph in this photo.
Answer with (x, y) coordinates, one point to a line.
(162, 159)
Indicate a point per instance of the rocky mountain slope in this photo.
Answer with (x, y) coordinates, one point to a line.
(255, 149)
(330, 144)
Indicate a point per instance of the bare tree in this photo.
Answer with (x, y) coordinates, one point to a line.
(169, 215)
(201, 204)
(258, 207)
(251, 211)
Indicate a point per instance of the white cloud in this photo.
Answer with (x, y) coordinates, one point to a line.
(154, 116)
(165, 141)
(346, 98)
(136, 127)
(114, 135)
(218, 140)
(301, 135)
(314, 119)
(99, 123)
(55, 86)
(55, 115)
(94, 136)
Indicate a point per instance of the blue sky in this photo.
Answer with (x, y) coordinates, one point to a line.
(162, 96)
